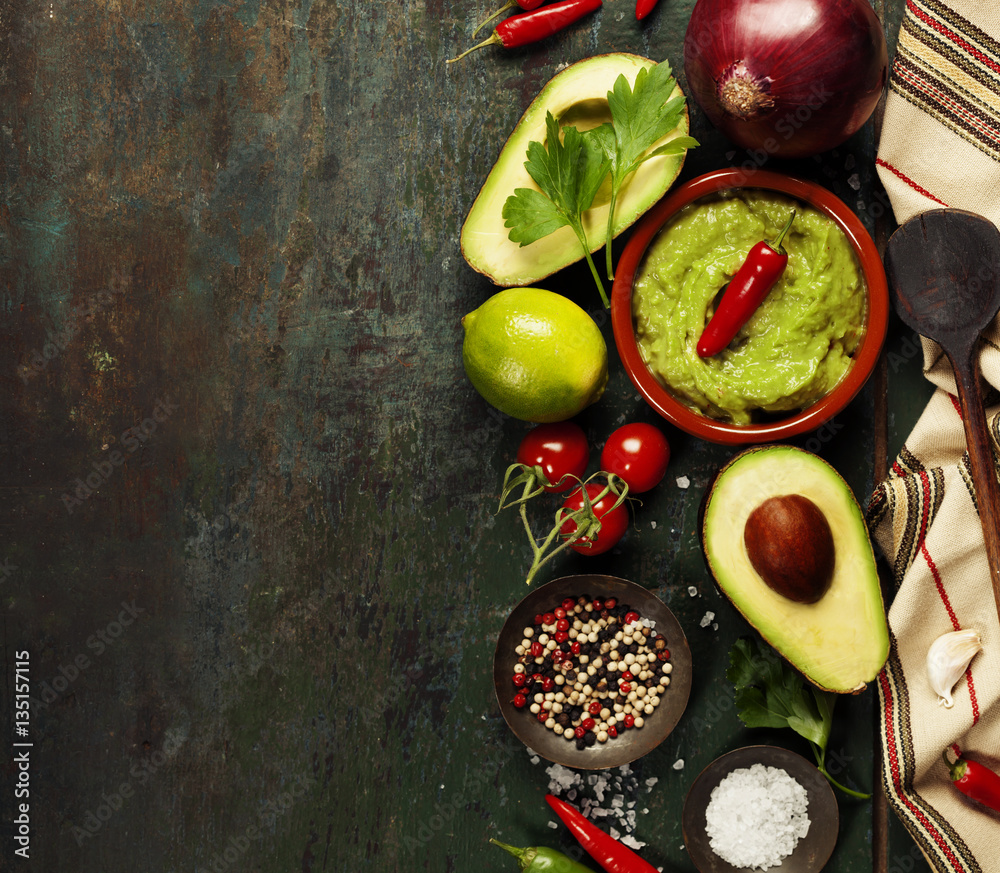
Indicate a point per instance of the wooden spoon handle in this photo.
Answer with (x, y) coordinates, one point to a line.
(981, 459)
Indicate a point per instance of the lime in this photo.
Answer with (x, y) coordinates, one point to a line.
(535, 355)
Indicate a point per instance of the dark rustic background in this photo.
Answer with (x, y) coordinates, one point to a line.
(248, 522)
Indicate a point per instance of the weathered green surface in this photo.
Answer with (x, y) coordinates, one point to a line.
(260, 634)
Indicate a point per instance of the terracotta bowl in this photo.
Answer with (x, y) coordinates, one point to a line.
(775, 428)
(629, 744)
(812, 851)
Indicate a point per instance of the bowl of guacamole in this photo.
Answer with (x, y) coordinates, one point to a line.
(809, 346)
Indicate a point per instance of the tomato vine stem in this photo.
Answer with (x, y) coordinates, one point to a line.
(586, 523)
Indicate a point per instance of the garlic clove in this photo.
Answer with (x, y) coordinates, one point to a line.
(947, 660)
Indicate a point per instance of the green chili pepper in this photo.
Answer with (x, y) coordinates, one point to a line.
(539, 859)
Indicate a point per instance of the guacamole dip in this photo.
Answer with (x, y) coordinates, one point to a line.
(794, 349)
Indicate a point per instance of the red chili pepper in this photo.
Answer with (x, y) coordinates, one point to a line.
(762, 268)
(526, 5)
(533, 26)
(613, 856)
(644, 7)
(975, 780)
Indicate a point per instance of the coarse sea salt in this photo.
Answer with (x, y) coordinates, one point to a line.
(604, 796)
(756, 817)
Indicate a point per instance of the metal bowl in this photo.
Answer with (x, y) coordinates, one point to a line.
(629, 744)
(812, 851)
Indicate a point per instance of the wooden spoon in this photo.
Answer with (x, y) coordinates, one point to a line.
(941, 267)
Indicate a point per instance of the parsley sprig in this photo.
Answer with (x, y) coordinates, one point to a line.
(571, 168)
(569, 173)
(769, 693)
(639, 117)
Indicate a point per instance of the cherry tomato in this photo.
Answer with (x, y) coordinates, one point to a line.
(614, 522)
(560, 449)
(639, 453)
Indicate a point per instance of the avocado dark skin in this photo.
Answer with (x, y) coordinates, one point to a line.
(790, 544)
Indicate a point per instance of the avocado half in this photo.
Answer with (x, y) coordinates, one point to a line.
(841, 641)
(579, 96)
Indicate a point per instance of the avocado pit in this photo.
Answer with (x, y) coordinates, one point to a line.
(790, 544)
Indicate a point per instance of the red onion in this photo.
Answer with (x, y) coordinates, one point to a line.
(791, 77)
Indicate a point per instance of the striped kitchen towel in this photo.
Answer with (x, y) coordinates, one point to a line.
(940, 142)
(940, 146)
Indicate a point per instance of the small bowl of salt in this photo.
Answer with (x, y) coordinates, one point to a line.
(760, 808)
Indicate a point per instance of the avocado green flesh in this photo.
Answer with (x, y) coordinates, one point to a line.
(577, 96)
(839, 643)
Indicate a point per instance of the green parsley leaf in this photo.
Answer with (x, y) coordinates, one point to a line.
(771, 694)
(639, 117)
(569, 173)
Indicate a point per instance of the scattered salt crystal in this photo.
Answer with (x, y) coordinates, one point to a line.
(706, 619)
(552, 824)
(683, 482)
(692, 591)
(631, 842)
(679, 764)
(715, 625)
(652, 524)
(561, 777)
(854, 181)
(645, 810)
(615, 834)
(603, 796)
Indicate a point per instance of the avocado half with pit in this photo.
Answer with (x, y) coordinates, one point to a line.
(787, 543)
(576, 96)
